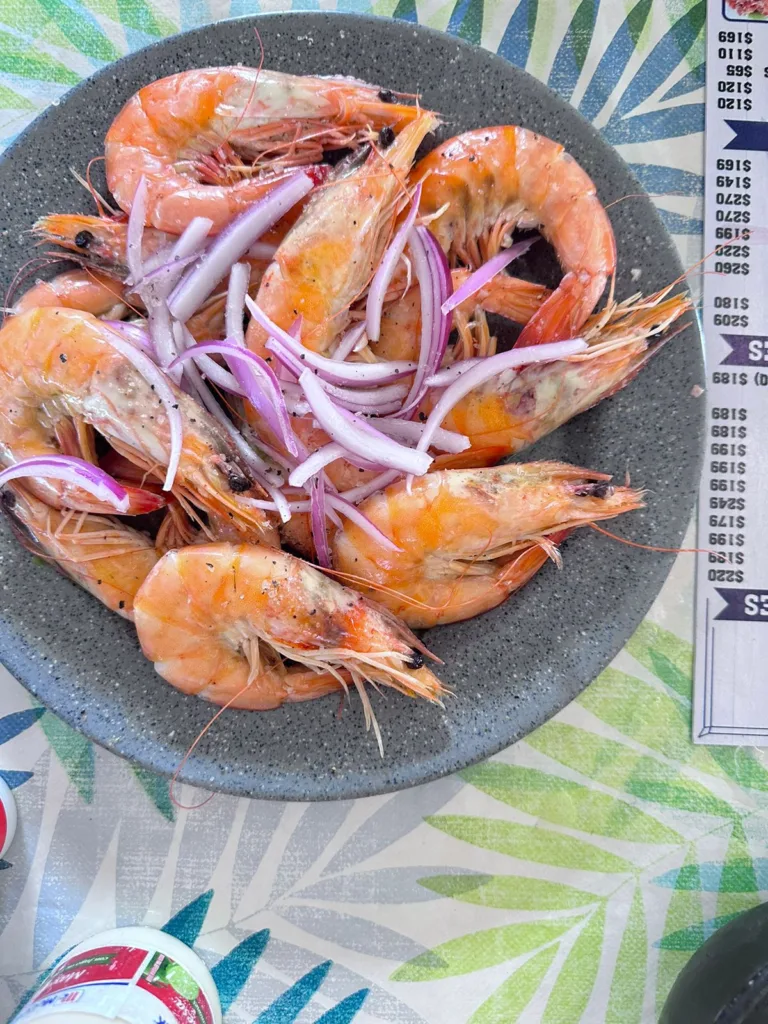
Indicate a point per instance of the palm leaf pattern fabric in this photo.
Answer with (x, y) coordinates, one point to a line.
(569, 878)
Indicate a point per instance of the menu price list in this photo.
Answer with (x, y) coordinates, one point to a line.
(731, 669)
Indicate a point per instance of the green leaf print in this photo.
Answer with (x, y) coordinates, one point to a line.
(669, 673)
(636, 20)
(625, 1005)
(157, 789)
(482, 949)
(661, 651)
(576, 979)
(509, 892)
(684, 920)
(646, 714)
(738, 881)
(139, 15)
(529, 842)
(641, 712)
(616, 765)
(741, 765)
(510, 999)
(82, 33)
(28, 61)
(688, 940)
(567, 803)
(75, 753)
(10, 100)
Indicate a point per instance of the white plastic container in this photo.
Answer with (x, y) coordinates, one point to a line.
(129, 975)
(7, 817)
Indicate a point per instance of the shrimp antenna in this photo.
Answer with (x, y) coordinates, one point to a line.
(651, 547)
(190, 750)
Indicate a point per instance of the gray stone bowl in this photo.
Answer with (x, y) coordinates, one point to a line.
(509, 670)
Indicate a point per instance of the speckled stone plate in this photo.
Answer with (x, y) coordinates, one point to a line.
(509, 670)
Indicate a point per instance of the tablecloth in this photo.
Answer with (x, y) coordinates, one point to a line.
(567, 879)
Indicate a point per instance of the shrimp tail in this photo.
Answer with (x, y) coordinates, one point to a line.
(561, 315)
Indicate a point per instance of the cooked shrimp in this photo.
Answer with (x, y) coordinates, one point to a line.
(210, 141)
(107, 558)
(511, 411)
(329, 256)
(56, 364)
(481, 185)
(507, 296)
(465, 535)
(87, 290)
(219, 619)
(99, 242)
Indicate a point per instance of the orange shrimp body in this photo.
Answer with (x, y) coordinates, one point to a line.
(330, 255)
(515, 409)
(56, 364)
(489, 181)
(465, 535)
(187, 136)
(218, 620)
(105, 556)
(77, 289)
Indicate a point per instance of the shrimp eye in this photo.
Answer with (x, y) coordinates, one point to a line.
(83, 239)
(416, 660)
(8, 499)
(238, 482)
(335, 156)
(601, 489)
(386, 96)
(386, 137)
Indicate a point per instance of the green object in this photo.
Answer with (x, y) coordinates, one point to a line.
(182, 981)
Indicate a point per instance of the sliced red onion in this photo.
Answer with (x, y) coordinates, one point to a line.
(239, 278)
(348, 342)
(160, 385)
(163, 342)
(434, 277)
(259, 383)
(287, 462)
(192, 238)
(134, 332)
(411, 431)
(443, 378)
(356, 436)
(74, 471)
(317, 460)
(351, 375)
(261, 470)
(363, 491)
(352, 512)
(488, 368)
(486, 273)
(233, 242)
(386, 269)
(261, 251)
(163, 277)
(336, 372)
(320, 459)
(374, 400)
(135, 231)
(317, 520)
(281, 502)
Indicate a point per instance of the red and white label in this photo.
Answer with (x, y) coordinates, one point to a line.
(125, 983)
